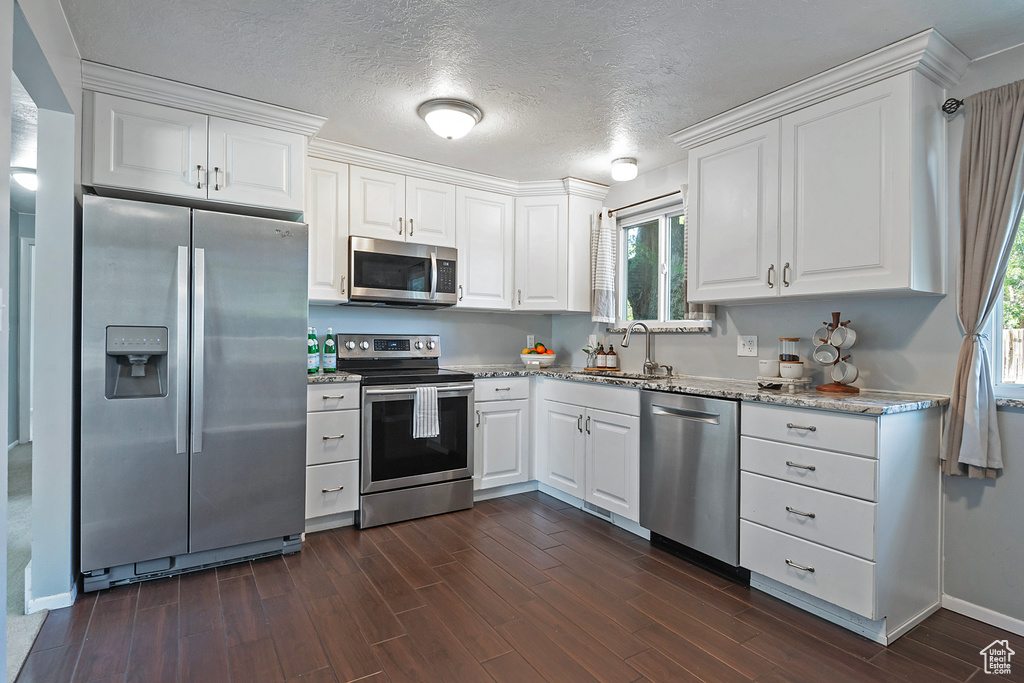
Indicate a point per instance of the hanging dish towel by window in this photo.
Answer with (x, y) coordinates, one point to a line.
(602, 268)
(424, 419)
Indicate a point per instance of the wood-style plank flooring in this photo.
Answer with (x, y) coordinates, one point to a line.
(518, 589)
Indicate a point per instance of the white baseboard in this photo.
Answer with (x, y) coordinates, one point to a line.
(506, 490)
(618, 520)
(48, 602)
(984, 614)
(329, 522)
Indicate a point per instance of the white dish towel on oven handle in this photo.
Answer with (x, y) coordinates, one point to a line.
(425, 424)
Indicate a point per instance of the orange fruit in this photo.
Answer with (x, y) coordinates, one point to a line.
(525, 351)
(540, 348)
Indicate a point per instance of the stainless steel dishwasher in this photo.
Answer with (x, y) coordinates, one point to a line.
(689, 473)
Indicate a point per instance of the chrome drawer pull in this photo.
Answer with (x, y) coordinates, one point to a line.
(338, 436)
(812, 428)
(328, 398)
(503, 388)
(797, 512)
(793, 564)
(338, 488)
(790, 463)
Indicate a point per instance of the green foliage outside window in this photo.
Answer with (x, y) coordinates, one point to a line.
(1013, 285)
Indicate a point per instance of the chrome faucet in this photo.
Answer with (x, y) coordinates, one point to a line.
(649, 365)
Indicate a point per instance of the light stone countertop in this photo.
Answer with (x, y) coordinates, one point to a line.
(867, 402)
(331, 378)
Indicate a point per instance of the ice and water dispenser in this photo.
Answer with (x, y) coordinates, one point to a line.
(136, 362)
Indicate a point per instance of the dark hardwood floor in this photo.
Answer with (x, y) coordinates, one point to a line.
(518, 589)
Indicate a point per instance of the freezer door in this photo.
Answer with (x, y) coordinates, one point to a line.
(249, 381)
(134, 447)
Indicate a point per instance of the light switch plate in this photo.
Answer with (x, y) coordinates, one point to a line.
(746, 345)
(531, 341)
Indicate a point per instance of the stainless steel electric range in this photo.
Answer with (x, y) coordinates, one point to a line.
(402, 477)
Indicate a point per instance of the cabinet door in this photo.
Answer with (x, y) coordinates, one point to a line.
(327, 215)
(846, 191)
(430, 212)
(733, 218)
(564, 463)
(613, 462)
(484, 227)
(542, 260)
(377, 204)
(255, 165)
(142, 146)
(501, 443)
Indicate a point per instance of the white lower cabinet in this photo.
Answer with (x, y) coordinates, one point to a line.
(591, 452)
(502, 435)
(842, 510)
(332, 448)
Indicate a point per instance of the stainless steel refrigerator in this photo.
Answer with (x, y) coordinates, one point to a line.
(193, 410)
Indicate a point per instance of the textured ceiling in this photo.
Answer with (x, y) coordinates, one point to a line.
(565, 85)
(24, 126)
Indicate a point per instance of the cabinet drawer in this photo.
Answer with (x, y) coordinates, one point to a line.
(334, 396)
(502, 389)
(816, 428)
(321, 482)
(838, 578)
(839, 522)
(332, 436)
(849, 475)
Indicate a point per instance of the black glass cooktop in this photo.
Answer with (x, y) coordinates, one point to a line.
(384, 376)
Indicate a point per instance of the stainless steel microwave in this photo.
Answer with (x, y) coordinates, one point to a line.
(383, 273)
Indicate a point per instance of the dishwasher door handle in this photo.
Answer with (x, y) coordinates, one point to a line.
(695, 415)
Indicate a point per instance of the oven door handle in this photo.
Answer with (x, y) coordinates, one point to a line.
(433, 274)
(440, 389)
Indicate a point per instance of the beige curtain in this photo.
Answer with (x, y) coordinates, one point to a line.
(991, 200)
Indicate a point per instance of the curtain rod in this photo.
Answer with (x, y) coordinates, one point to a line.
(612, 212)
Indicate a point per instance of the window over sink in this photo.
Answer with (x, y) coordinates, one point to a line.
(652, 272)
(1008, 326)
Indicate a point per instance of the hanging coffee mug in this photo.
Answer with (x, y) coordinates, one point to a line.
(843, 337)
(844, 372)
(826, 354)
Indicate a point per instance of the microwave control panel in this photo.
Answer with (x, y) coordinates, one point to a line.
(445, 276)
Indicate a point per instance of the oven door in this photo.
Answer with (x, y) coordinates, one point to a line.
(382, 271)
(392, 459)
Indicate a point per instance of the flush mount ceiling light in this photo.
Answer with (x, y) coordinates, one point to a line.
(624, 168)
(450, 118)
(26, 177)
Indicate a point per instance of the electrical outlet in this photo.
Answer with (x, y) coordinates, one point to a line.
(746, 345)
(531, 341)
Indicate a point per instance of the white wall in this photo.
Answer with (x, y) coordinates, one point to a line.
(905, 344)
(6, 43)
(467, 338)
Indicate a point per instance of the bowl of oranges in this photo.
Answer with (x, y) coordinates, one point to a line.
(539, 354)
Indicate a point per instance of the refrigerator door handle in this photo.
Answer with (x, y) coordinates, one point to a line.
(181, 367)
(198, 341)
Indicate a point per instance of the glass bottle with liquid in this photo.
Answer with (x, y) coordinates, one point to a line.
(330, 352)
(611, 359)
(601, 360)
(312, 352)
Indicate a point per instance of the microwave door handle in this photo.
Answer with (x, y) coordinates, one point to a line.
(433, 274)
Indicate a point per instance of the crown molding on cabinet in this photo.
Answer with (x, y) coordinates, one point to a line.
(927, 52)
(394, 163)
(138, 86)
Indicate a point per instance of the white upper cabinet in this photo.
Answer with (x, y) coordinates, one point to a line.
(255, 165)
(583, 212)
(377, 204)
(326, 212)
(155, 149)
(430, 211)
(484, 223)
(844, 196)
(733, 218)
(541, 280)
(147, 147)
(391, 206)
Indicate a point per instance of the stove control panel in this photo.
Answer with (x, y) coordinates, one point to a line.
(368, 346)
